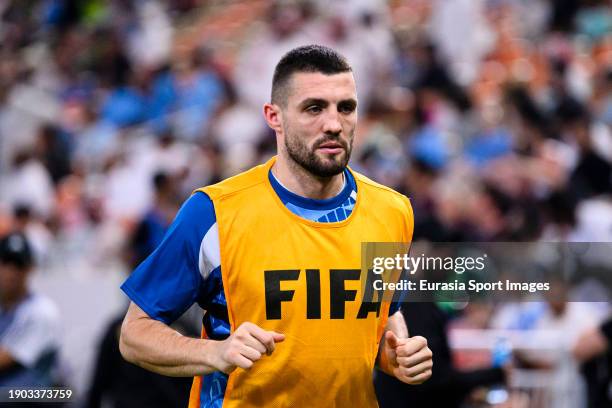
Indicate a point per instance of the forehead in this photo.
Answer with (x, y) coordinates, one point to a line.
(315, 85)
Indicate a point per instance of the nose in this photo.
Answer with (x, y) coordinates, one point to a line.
(332, 123)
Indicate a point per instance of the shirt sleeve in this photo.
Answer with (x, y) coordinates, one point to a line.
(34, 331)
(169, 281)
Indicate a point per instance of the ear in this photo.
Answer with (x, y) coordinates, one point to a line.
(273, 115)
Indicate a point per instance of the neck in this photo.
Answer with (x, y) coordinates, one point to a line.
(299, 181)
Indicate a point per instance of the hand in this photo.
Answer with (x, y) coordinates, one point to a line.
(409, 359)
(245, 346)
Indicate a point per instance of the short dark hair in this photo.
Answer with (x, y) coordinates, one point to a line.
(15, 250)
(308, 58)
(160, 180)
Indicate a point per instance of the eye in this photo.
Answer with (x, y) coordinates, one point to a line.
(346, 108)
(314, 109)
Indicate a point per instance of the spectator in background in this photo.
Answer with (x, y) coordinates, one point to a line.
(501, 129)
(123, 385)
(287, 26)
(462, 46)
(190, 92)
(29, 322)
(558, 322)
(95, 142)
(125, 103)
(447, 387)
(115, 381)
(593, 351)
(153, 225)
(37, 234)
(53, 150)
(593, 173)
(28, 182)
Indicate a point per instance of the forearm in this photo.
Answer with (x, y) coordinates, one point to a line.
(154, 346)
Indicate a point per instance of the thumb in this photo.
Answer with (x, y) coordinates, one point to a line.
(392, 340)
(278, 337)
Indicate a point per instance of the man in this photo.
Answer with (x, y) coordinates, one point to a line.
(115, 382)
(152, 226)
(270, 255)
(592, 350)
(29, 332)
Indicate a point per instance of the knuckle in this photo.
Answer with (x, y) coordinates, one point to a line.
(232, 355)
(421, 340)
(410, 381)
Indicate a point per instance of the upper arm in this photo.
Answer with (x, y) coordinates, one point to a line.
(132, 316)
(170, 280)
(135, 313)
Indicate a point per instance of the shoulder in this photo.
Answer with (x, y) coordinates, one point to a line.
(39, 308)
(385, 196)
(241, 182)
(198, 208)
(195, 221)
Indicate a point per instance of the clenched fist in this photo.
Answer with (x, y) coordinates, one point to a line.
(245, 346)
(409, 359)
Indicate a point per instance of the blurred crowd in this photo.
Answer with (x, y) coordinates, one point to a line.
(493, 116)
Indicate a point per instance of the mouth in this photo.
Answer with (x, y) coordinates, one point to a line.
(331, 147)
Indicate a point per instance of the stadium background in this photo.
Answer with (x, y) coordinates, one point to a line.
(493, 116)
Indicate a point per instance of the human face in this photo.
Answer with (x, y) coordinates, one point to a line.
(12, 281)
(318, 122)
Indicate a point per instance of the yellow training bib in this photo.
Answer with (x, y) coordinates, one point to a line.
(302, 278)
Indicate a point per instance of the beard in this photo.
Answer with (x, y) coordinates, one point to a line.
(320, 165)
